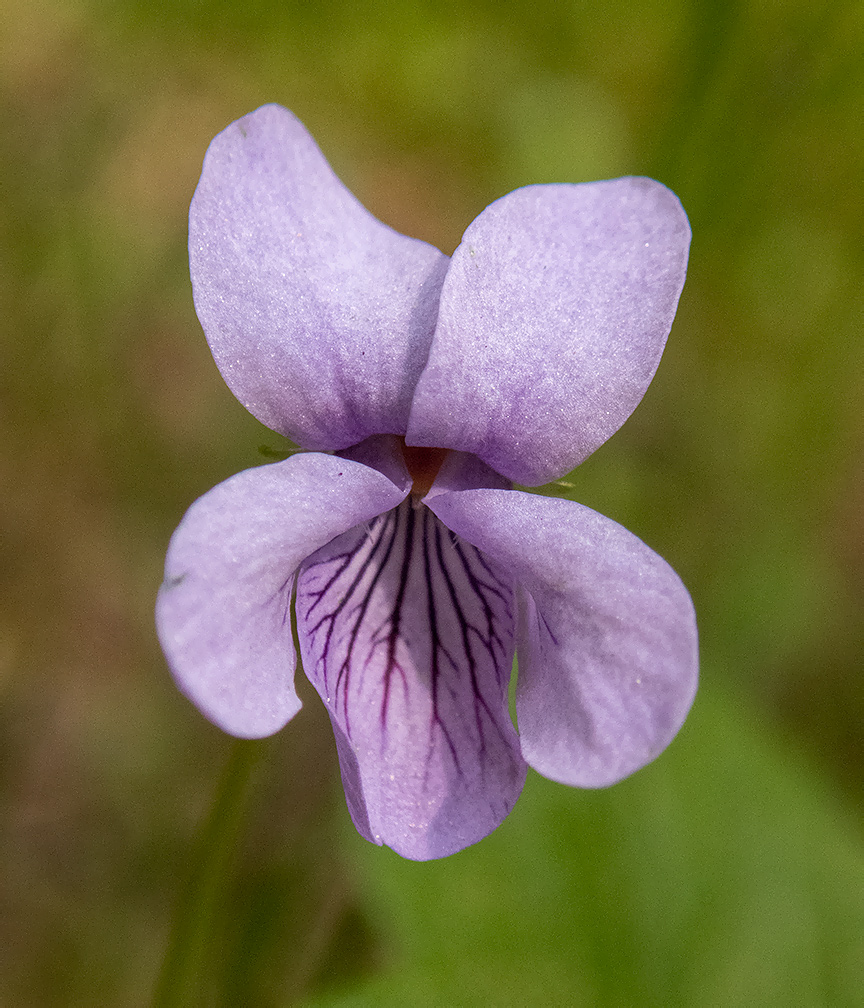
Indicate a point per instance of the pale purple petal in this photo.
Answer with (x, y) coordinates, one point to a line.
(224, 610)
(463, 471)
(553, 317)
(384, 453)
(607, 646)
(318, 315)
(407, 634)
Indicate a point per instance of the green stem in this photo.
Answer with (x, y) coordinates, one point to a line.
(180, 981)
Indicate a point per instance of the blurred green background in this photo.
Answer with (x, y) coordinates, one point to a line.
(731, 871)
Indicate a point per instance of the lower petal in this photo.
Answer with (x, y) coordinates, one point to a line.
(607, 635)
(407, 634)
(223, 612)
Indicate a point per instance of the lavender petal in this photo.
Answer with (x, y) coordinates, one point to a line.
(407, 634)
(224, 610)
(607, 646)
(318, 315)
(553, 317)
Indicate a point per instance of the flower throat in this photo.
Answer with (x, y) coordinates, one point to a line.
(422, 465)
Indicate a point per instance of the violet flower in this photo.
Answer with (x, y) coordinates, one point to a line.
(412, 565)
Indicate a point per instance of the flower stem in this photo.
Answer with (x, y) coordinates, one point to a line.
(180, 981)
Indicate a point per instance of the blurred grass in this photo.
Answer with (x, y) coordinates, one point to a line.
(742, 467)
(719, 876)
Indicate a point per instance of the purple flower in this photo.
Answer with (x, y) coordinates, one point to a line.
(413, 567)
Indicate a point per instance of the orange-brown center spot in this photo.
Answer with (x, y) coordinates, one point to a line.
(423, 465)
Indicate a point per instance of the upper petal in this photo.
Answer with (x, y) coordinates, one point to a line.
(553, 317)
(223, 612)
(318, 315)
(407, 634)
(607, 639)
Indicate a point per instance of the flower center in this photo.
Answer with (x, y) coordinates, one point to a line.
(423, 465)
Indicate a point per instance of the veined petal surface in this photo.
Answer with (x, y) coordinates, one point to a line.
(319, 316)
(407, 634)
(223, 612)
(553, 317)
(607, 636)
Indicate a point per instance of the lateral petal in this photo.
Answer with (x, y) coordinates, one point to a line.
(224, 610)
(407, 634)
(606, 644)
(553, 317)
(319, 316)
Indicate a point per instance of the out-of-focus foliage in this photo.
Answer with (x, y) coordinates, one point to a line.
(720, 877)
(729, 873)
